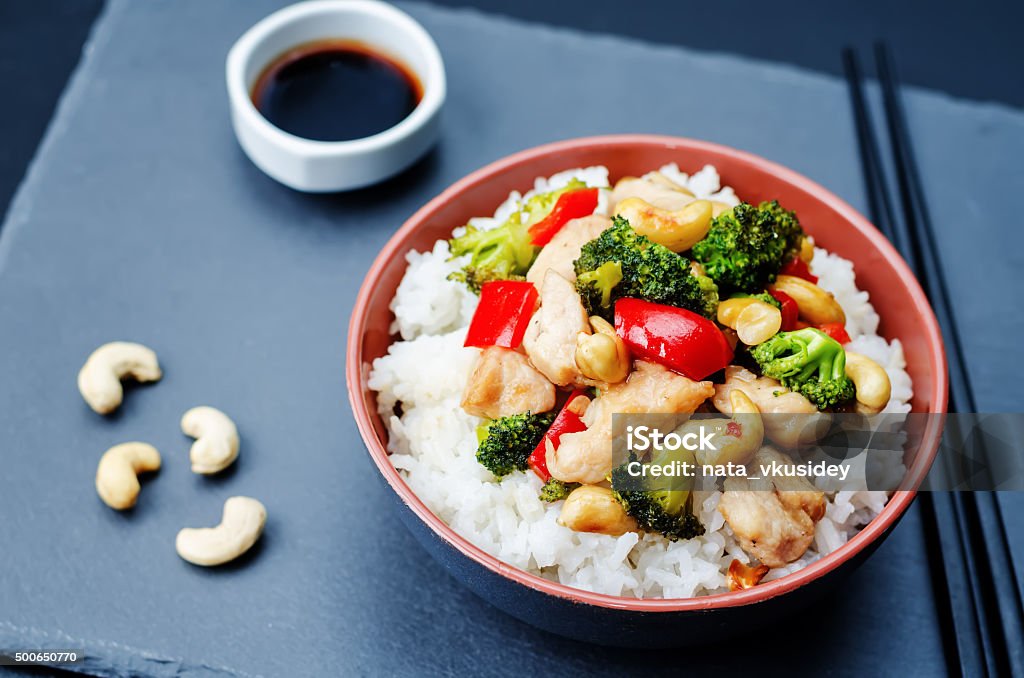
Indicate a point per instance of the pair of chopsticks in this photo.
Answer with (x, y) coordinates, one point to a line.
(983, 620)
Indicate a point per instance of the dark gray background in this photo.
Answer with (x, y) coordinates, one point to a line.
(141, 219)
(969, 49)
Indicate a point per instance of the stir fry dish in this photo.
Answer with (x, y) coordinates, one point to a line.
(669, 305)
(526, 333)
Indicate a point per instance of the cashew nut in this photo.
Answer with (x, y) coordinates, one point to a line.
(592, 508)
(871, 380)
(754, 321)
(99, 380)
(117, 474)
(816, 305)
(736, 440)
(758, 323)
(679, 230)
(729, 310)
(216, 445)
(807, 249)
(240, 527)
(603, 355)
(742, 576)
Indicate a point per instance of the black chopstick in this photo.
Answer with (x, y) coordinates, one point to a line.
(961, 634)
(975, 640)
(1000, 596)
(986, 607)
(879, 204)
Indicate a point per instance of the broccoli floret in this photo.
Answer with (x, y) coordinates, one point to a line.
(825, 394)
(556, 490)
(663, 511)
(504, 252)
(809, 362)
(708, 295)
(648, 271)
(507, 442)
(601, 281)
(746, 247)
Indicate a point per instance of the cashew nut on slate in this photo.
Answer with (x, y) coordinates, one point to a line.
(240, 527)
(117, 474)
(216, 445)
(99, 380)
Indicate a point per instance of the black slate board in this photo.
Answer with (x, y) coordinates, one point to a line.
(141, 219)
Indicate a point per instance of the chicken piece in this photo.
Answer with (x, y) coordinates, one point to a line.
(550, 339)
(564, 248)
(503, 382)
(775, 402)
(767, 393)
(650, 389)
(795, 492)
(772, 517)
(586, 457)
(663, 194)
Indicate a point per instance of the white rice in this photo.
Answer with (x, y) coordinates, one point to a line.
(433, 443)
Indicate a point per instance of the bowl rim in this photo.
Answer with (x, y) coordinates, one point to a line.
(892, 511)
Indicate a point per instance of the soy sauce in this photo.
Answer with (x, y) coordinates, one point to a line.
(335, 90)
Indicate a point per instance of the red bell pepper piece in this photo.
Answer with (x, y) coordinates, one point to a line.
(798, 267)
(567, 421)
(680, 340)
(835, 330)
(503, 313)
(571, 205)
(789, 310)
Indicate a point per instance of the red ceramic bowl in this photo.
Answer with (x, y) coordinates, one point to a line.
(611, 619)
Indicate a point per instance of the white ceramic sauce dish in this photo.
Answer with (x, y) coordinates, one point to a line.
(326, 166)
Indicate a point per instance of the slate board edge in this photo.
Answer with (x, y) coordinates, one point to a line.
(103, 658)
(20, 209)
(111, 658)
(107, 658)
(780, 69)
